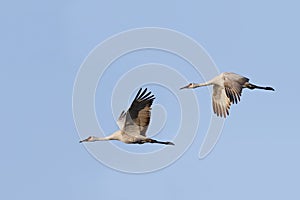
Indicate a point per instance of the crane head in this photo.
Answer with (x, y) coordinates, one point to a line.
(189, 86)
(89, 139)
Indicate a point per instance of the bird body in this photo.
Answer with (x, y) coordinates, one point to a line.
(227, 90)
(134, 123)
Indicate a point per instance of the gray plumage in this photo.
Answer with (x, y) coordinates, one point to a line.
(227, 90)
(134, 123)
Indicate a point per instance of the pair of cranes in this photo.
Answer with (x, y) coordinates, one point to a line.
(133, 124)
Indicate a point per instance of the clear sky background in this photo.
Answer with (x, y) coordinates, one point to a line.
(42, 47)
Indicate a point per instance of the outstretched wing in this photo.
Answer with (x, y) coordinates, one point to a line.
(233, 84)
(138, 115)
(221, 103)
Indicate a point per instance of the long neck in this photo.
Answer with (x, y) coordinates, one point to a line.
(101, 139)
(114, 136)
(202, 84)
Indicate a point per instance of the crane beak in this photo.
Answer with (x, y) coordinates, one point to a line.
(184, 87)
(85, 140)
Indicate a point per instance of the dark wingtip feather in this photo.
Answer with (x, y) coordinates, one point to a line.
(138, 94)
(142, 94)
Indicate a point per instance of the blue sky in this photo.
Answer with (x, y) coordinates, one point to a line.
(43, 45)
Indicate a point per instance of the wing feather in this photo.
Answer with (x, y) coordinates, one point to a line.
(121, 120)
(139, 113)
(233, 84)
(221, 102)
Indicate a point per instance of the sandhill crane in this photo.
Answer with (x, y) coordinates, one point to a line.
(227, 89)
(133, 124)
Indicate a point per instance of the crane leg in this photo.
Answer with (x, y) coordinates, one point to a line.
(149, 140)
(252, 86)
